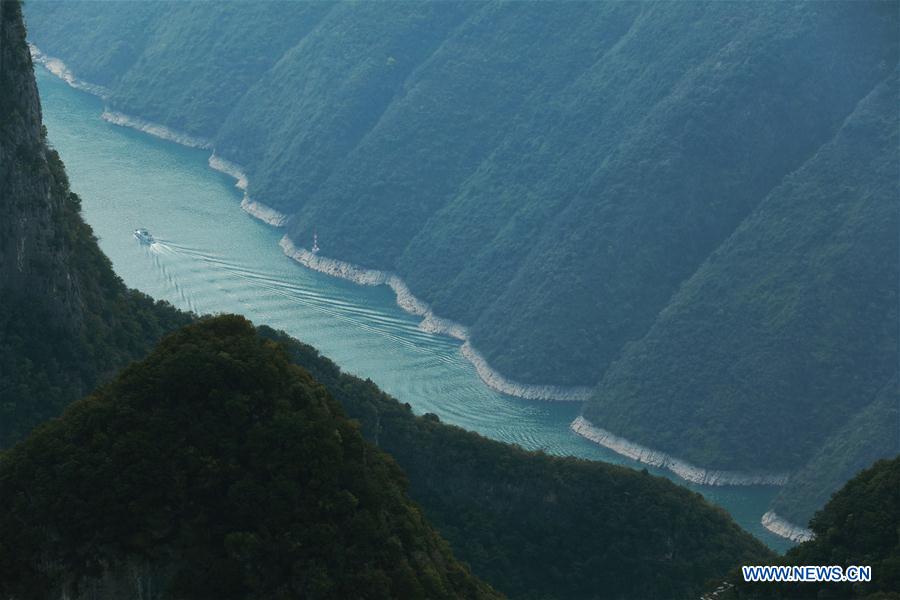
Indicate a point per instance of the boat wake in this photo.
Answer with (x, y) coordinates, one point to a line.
(200, 278)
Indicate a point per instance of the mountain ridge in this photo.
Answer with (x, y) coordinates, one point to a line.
(858, 526)
(215, 468)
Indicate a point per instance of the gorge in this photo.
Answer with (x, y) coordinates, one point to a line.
(198, 269)
(154, 442)
(580, 212)
(214, 458)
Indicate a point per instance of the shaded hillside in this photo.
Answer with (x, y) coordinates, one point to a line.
(860, 525)
(789, 329)
(66, 320)
(537, 526)
(870, 435)
(215, 469)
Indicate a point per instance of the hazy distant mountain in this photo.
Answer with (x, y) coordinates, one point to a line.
(547, 173)
(691, 206)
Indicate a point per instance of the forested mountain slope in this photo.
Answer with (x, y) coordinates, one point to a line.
(865, 437)
(66, 320)
(860, 525)
(214, 468)
(789, 329)
(537, 526)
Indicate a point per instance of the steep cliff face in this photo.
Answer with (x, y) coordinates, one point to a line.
(66, 319)
(33, 250)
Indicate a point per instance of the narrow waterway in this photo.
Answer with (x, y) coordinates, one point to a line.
(211, 257)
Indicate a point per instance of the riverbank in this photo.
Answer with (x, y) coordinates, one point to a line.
(263, 212)
(432, 323)
(59, 68)
(784, 528)
(155, 129)
(660, 459)
(257, 209)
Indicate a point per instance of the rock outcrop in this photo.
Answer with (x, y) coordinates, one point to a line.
(34, 252)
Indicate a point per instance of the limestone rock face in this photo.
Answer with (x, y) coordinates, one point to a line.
(34, 249)
(67, 321)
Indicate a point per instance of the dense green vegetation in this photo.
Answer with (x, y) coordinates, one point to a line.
(860, 525)
(220, 470)
(66, 320)
(537, 526)
(789, 329)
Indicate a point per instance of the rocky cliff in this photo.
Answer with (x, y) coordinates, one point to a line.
(33, 252)
(66, 320)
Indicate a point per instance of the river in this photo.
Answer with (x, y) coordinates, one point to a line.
(211, 257)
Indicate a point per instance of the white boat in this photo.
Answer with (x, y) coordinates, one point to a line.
(143, 236)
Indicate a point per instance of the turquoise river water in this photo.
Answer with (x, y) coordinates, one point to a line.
(211, 257)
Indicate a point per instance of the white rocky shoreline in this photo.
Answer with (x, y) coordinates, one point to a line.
(59, 68)
(255, 208)
(155, 129)
(432, 323)
(682, 468)
(781, 526)
(261, 211)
